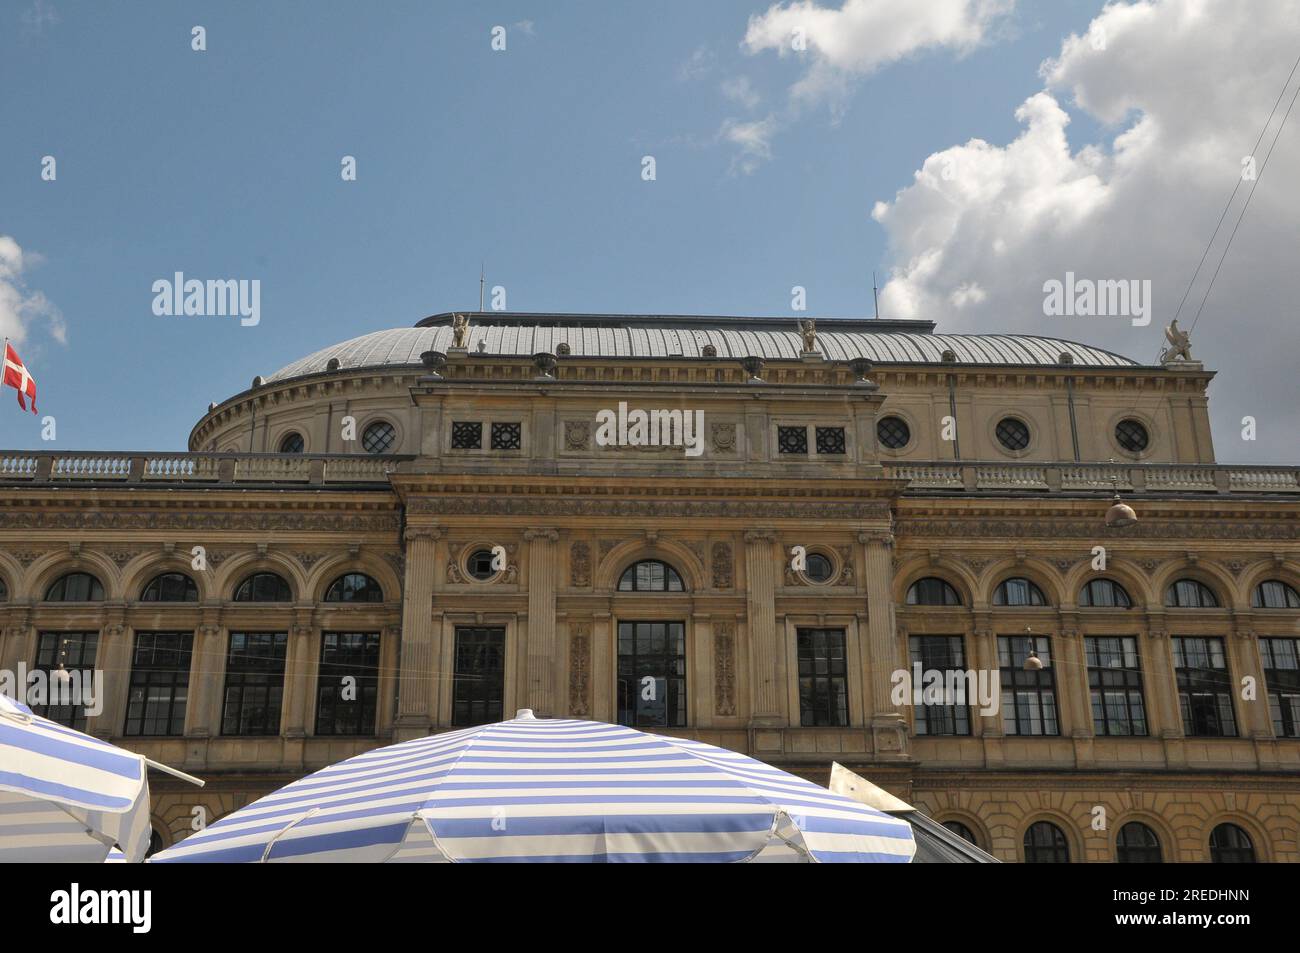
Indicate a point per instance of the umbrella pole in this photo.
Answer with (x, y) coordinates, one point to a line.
(165, 769)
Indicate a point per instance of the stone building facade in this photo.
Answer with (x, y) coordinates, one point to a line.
(427, 527)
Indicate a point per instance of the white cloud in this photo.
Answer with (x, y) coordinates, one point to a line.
(753, 141)
(19, 307)
(840, 46)
(740, 90)
(864, 35)
(1005, 219)
(699, 64)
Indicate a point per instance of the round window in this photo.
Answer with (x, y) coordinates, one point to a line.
(893, 432)
(292, 443)
(1013, 434)
(819, 568)
(1132, 436)
(479, 564)
(379, 437)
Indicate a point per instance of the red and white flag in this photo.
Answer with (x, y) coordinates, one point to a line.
(17, 377)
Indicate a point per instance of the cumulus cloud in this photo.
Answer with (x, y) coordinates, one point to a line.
(839, 46)
(1183, 89)
(20, 307)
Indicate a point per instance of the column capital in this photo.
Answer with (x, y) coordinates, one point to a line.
(546, 533)
(755, 536)
(880, 537)
(414, 533)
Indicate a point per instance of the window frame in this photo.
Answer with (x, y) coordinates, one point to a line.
(822, 693)
(487, 640)
(256, 674)
(361, 662)
(670, 573)
(152, 676)
(1188, 678)
(1125, 679)
(1040, 685)
(247, 580)
(1034, 590)
(676, 667)
(955, 720)
(191, 587)
(96, 585)
(373, 585)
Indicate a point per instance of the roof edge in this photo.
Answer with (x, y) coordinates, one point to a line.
(879, 325)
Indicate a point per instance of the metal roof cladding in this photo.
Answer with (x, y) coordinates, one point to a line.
(513, 334)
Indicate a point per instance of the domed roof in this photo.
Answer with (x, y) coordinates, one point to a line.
(669, 336)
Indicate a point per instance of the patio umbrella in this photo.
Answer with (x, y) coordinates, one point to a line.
(68, 797)
(550, 790)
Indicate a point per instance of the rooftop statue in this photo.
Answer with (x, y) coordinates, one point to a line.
(808, 329)
(1180, 345)
(459, 330)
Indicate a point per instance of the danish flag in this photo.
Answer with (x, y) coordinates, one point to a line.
(17, 377)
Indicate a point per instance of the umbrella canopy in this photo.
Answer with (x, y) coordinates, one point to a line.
(65, 796)
(551, 790)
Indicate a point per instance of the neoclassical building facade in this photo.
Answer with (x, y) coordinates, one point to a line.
(764, 536)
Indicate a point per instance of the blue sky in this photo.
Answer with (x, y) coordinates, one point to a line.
(226, 163)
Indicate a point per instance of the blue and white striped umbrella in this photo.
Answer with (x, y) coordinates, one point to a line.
(550, 790)
(65, 796)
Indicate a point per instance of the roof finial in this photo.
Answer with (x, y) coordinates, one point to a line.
(875, 293)
(482, 270)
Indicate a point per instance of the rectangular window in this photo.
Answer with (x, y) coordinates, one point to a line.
(652, 674)
(479, 680)
(1204, 688)
(347, 690)
(823, 678)
(1282, 677)
(160, 683)
(792, 439)
(944, 654)
(65, 699)
(1028, 695)
(467, 435)
(830, 440)
(254, 683)
(1115, 681)
(507, 436)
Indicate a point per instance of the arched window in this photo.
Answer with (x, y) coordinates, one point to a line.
(1270, 594)
(292, 442)
(4, 591)
(932, 591)
(962, 831)
(650, 575)
(1190, 594)
(819, 568)
(354, 587)
(1137, 844)
(1229, 844)
(1046, 844)
(1018, 591)
(170, 587)
(1104, 594)
(75, 587)
(263, 587)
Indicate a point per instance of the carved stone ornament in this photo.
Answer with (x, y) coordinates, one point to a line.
(724, 668)
(454, 576)
(723, 565)
(722, 435)
(580, 564)
(580, 669)
(577, 434)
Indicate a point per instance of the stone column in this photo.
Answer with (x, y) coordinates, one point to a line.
(888, 729)
(416, 711)
(297, 680)
(766, 654)
(543, 664)
(201, 687)
(113, 659)
(1244, 659)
